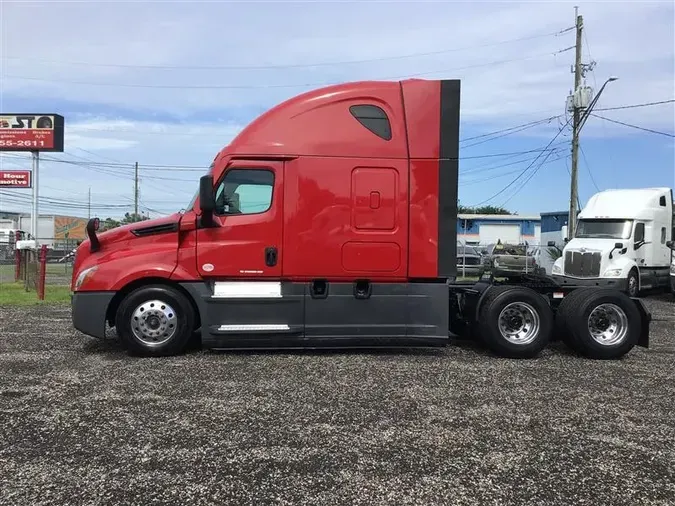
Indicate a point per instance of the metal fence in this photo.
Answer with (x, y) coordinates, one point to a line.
(58, 269)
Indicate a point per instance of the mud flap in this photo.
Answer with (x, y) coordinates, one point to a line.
(645, 321)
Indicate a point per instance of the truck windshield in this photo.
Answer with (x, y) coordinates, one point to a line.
(604, 229)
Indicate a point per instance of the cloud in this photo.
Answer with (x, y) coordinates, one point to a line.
(235, 35)
(142, 102)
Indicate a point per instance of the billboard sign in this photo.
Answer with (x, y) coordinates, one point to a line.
(68, 227)
(31, 132)
(15, 179)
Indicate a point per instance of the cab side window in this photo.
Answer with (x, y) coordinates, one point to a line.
(639, 232)
(245, 191)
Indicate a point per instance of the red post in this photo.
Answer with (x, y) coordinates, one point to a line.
(43, 272)
(17, 257)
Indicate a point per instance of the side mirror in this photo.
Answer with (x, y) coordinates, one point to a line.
(207, 198)
(671, 244)
(617, 245)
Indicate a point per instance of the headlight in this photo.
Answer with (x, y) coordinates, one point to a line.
(672, 268)
(556, 269)
(83, 276)
(496, 263)
(612, 273)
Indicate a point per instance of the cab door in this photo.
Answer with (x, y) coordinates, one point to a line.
(247, 237)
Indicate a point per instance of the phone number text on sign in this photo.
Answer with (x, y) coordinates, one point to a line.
(15, 178)
(31, 132)
(26, 139)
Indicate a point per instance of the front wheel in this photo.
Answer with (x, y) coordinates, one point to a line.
(515, 322)
(155, 320)
(633, 284)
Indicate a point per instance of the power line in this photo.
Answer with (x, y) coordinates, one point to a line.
(524, 184)
(507, 131)
(289, 66)
(632, 106)
(270, 86)
(50, 202)
(633, 126)
(526, 168)
(588, 167)
(159, 167)
(488, 168)
(490, 178)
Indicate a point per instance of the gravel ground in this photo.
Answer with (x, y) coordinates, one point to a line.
(83, 423)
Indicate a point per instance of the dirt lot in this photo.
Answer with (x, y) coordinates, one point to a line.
(83, 423)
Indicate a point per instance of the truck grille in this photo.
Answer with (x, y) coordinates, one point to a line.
(582, 265)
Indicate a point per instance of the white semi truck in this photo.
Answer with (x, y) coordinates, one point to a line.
(622, 241)
(672, 267)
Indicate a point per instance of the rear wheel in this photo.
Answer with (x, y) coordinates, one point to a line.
(155, 320)
(515, 322)
(564, 315)
(601, 323)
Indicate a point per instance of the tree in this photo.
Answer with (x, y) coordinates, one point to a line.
(133, 218)
(109, 223)
(481, 210)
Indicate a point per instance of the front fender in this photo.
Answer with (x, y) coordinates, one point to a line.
(156, 271)
(623, 263)
(114, 272)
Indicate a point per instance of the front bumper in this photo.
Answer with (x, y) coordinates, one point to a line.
(620, 284)
(89, 312)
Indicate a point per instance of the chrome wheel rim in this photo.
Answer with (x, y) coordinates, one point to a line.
(632, 286)
(519, 323)
(608, 324)
(154, 322)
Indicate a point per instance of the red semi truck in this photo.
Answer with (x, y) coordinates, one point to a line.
(331, 221)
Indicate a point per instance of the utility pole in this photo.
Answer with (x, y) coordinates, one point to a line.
(136, 191)
(89, 205)
(574, 192)
(35, 216)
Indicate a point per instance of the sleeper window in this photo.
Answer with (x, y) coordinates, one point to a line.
(373, 118)
(245, 191)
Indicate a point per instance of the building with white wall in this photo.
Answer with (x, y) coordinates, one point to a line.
(487, 229)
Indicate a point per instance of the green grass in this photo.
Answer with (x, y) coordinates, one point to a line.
(57, 291)
(15, 294)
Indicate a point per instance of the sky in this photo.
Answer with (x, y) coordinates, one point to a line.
(171, 83)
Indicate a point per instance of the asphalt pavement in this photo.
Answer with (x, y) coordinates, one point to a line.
(83, 423)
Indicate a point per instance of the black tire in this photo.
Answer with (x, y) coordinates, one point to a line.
(622, 311)
(564, 315)
(174, 318)
(531, 305)
(633, 284)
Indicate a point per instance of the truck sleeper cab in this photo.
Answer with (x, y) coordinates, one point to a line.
(621, 241)
(329, 221)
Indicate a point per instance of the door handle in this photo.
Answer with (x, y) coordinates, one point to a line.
(270, 256)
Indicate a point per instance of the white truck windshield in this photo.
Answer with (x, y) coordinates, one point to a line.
(604, 229)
